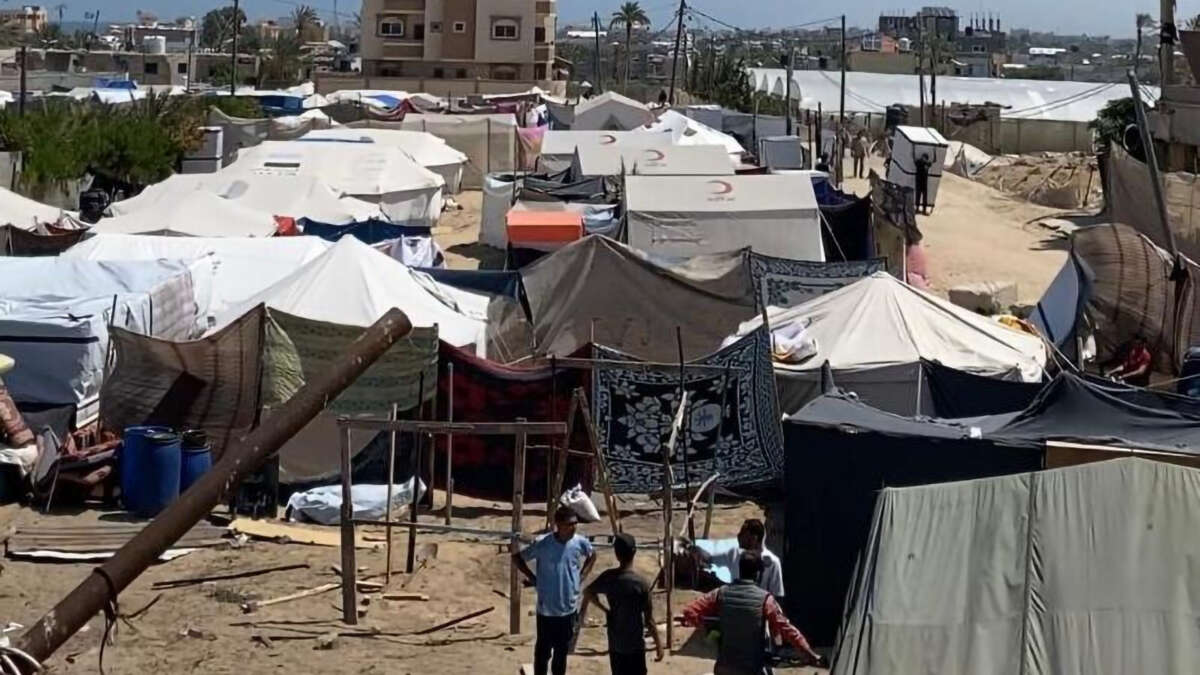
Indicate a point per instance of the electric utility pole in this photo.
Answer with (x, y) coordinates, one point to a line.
(1166, 41)
(675, 60)
(237, 28)
(599, 72)
(790, 58)
(842, 110)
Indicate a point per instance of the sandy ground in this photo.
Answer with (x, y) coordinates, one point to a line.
(194, 629)
(975, 234)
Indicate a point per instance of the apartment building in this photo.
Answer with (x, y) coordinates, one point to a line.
(26, 18)
(509, 40)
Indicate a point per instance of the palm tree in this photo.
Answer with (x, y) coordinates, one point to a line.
(1144, 22)
(1194, 23)
(631, 14)
(304, 18)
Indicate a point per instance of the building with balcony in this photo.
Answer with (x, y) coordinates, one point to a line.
(504, 40)
(26, 19)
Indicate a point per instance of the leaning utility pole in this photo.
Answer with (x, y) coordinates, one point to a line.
(599, 67)
(842, 110)
(675, 60)
(1166, 41)
(1152, 166)
(237, 28)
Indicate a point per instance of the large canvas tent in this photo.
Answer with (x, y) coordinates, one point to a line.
(597, 290)
(1087, 569)
(24, 212)
(684, 216)
(611, 111)
(679, 160)
(407, 193)
(197, 213)
(689, 131)
(558, 147)
(874, 334)
(488, 141)
(424, 148)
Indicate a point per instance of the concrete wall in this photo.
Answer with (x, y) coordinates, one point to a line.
(460, 45)
(487, 48)
(1022, 136)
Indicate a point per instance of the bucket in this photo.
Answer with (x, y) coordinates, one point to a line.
(150, 469)
(196, 459)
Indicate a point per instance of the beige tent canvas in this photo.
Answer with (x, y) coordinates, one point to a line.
(611, 111)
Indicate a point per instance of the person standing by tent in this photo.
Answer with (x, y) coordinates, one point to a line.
(744, 613)
(630, 610)
(922, 166)
(752, 537)
(858, 150)
(564, 559)
(1132, 365)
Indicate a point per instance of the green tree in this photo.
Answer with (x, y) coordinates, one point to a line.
(629, 15)
(1112, 121)
(281, 61)
(308, 25)
(1144, 23)
(218, 27)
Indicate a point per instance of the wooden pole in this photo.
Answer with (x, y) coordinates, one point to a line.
(518, 508)
(708, 512)
(450, 450)
(558, 463)
(841, 151)
(614, 511)
(675, 58)
(391, 484)
(668, 505)
(411, 557)
(349, 583)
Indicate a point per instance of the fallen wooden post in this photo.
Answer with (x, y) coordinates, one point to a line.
(454, 622)
(418, 597)
(255, 605)
(179, 583)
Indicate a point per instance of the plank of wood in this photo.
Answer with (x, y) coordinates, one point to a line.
(89, 548)
(262, 529)
(417, 597)
(255, 605)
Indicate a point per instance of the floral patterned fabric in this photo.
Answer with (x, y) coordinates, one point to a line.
(781, 282)
(731, 424)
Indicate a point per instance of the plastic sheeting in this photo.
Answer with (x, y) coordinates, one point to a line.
(25, 213)
(424, 148)
(488, 141)
(679, 160)
(688, 131)
(197, 213)
(611, 111)
(1036, 573)
(370, 502)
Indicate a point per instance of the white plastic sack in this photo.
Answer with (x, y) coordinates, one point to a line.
(578, 501)
(324, 504)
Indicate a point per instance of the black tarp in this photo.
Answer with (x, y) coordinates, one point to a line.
(839, 454)
(486, 282)
(849, 223)
(368, 231)
(957, 393)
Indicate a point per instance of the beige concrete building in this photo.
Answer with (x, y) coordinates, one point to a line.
(27, 18)
(501, 40)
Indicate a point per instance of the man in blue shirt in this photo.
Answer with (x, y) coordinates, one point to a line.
(563, 560)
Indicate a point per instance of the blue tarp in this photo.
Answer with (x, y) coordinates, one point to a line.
(389, 101)
(486, 282)
(368, 231)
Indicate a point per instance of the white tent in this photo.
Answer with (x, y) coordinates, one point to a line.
(24, 212)
(874, 334)
(688, 131)
(683, 216)
(558, 147)
(239, 267)
(490, 141)
(424, 148)
(408, 194)
(353, 284)
(198, 213)
(296, 197)
(678, 160)
(611, 111)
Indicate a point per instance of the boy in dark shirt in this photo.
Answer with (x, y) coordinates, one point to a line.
(629, 611)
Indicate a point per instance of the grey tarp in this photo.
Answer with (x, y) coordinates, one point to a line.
(1088, 570)
(1129, 197)
(631, 304)
(210, 384)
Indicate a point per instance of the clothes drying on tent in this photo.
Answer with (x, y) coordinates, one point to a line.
(611, 111)
(782, 282)
(407, 193)
(197, 213)
(730, 424)
(1040, 573)
(352, 284)
(692, 215)
(599, 290)
(874, 334)
(424, 148)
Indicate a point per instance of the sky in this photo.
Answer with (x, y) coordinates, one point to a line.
(1093, 17)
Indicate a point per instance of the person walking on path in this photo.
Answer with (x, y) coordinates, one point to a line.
(858, 150)
(630, 610)
(564, 559)
(745, 612)
(922, 196)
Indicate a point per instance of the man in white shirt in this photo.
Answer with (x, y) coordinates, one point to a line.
(751, 538)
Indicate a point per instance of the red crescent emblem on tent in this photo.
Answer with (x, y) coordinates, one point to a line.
(655, 155)
(608, 139)
(723, 187)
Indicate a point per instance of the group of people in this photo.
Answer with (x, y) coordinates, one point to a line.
(744, 615)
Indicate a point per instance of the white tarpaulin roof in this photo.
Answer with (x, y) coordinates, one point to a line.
(24, 212)
(688, 131)
(240, 267)
(679, 160)
(874, 92)
(408, 192)
(1087, 569)
(684, 216)
(425, 148)
(198, 213)
(879, 321)
(611, 111)
(565, 142)
(353, 284)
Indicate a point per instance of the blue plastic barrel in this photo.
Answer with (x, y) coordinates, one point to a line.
(150, 471)
(129, 459)
(197, 458)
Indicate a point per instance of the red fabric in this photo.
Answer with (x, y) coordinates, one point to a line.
(286, 227)
(708, 605)
(1136, 359)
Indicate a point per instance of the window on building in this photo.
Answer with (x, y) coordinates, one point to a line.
(150, 68)
(977, 48)
(504, 73)
(435, 26)
(391, 27)
(461, 73)
(182, 68)
(460, 26)
(439, 73)
(419, 31)
(539, 34)
(506, 29)
(539, 71)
